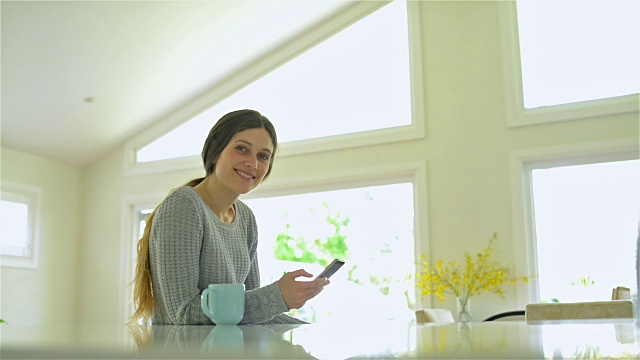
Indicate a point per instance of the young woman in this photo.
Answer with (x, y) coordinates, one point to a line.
(202, 234)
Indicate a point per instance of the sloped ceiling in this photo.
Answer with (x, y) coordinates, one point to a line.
(81, 77)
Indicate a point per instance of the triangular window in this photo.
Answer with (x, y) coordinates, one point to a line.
(356, 81)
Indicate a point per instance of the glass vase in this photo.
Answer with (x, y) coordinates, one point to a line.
(464, 308)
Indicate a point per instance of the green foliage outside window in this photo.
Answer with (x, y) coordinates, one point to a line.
(324, 234)
(323, 251)
(318, 251)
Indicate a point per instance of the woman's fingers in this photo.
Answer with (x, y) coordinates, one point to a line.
(296, 293)
(298, 273)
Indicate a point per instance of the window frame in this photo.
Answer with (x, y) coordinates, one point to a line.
(32, 197)
(521, 164)
(130, 206)
(306, 40)
(516, 113)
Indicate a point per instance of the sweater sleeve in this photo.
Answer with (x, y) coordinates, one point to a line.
(175, 246)
(262, 305)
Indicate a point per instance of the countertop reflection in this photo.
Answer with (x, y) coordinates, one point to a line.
(224, 341)
(327, 340)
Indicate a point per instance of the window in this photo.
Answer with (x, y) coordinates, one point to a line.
(578, 51)
(586, 223)
(369, 227)
(361, 73)
(19, 209)
(569, 60)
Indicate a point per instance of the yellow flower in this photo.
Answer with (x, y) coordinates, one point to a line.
(479, 275)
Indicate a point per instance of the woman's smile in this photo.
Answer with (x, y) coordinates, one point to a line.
(244, 175)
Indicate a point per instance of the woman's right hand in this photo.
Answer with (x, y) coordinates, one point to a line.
(296, 293)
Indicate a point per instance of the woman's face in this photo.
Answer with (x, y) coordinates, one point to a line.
(244, 162)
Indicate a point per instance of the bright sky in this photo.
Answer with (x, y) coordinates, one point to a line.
(577, 50)
(586, 227)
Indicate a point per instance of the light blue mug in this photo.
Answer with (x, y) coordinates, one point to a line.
(223, 303)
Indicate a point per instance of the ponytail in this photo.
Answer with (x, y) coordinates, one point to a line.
(142, 289)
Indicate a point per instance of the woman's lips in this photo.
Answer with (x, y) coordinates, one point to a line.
(245, 175)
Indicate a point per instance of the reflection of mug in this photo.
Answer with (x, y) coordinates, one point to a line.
(223, 303)
(249, 342)
(224, 342)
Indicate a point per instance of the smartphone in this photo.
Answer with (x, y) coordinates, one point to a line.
(331, 269)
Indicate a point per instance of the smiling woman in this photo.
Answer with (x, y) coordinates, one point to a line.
(201, 234)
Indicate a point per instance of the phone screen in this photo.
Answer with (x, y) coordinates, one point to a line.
(331, 269)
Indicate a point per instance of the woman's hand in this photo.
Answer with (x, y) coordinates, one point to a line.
(296, 293)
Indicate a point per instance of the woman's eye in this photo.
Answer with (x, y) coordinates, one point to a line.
(241, 148)
(264, 157)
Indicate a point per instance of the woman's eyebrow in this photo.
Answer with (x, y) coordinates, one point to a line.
(250, 144)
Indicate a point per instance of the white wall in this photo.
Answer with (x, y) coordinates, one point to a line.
(47, 294)
(466, 150)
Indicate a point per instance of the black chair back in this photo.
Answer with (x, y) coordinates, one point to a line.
(505, 315)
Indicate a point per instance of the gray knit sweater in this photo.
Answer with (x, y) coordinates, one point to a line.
(191, 248)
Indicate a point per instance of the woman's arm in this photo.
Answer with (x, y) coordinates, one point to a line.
(268, 304)
(175, 245)
(265, 304)
(261, 304)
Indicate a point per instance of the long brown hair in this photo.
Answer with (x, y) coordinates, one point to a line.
(219, 137)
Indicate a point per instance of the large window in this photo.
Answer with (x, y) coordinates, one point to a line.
(371, 228)
(19, 209)
(586, 224)
(567, 60)
(355, 81)
(573, 51)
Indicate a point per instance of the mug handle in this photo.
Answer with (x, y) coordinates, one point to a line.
(204, 302)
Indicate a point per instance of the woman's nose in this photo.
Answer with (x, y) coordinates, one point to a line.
(253, 164)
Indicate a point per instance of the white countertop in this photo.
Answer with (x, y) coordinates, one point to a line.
(329, 340)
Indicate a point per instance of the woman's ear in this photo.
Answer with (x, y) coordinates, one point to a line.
(213, 165)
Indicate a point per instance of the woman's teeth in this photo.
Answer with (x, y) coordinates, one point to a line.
(244, 175)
